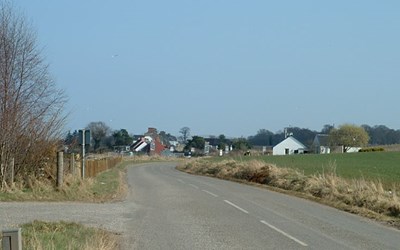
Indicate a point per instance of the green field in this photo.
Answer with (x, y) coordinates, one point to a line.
(383, 166)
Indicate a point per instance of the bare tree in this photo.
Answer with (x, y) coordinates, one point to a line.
(185, 131)
(31, 107)
(99, 132)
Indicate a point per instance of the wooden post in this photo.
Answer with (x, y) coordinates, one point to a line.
(60, 168)
(72, 163)
(83, 155)
(12, 172)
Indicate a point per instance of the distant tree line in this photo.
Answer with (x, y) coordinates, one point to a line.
(378, 135)
(382, 135)
(265, 137)
(104, 139)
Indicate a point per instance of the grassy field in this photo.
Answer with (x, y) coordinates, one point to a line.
(383, 166)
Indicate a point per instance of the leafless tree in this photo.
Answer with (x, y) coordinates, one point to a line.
(31, 107)
(185, 131)
(99, 131)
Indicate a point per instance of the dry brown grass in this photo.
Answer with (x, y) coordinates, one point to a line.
(74, 188)
(66, 235)
(358, 195)
(106, 186)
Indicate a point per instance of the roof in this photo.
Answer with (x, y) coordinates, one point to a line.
(321, 140)
(294, 140)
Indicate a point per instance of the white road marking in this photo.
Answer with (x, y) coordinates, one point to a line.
(285, 234)
(196, 187)
(208, 192)
(181, 181)
(236, 206)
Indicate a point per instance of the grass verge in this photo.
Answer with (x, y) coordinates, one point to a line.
(40, 235)
(106, 186)
(359, 196)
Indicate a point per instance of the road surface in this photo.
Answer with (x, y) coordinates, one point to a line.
(175, 210)
(169, 209)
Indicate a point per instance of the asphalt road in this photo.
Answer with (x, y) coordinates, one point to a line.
(168, 209)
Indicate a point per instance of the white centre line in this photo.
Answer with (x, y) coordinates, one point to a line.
(236, 206)
(285, 234)
(208, 192)
(196, 187)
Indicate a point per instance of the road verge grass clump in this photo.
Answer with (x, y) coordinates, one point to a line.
(66, 235)
(356, 195)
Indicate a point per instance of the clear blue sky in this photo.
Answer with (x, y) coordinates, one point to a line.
(223, 66)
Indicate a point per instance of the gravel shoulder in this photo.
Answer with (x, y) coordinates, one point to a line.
(112, 216)
(109, 216)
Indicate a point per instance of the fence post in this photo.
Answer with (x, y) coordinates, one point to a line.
(72, 163)
(12, 171)
(60, 168)
(12, 239)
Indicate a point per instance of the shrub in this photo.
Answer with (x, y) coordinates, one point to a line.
(375, 149)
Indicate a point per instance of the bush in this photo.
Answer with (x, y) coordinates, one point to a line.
(375, 149)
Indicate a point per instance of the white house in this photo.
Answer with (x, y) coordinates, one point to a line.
(289, 146)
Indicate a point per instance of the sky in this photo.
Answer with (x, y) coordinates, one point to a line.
(227, 67)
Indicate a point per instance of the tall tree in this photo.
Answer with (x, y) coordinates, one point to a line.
(99, 132)
(222, 141)
(304, 135)
(31, 106)
(196, 142)
(327, 128)
(122, 138)
(185, 132)
(72, 141)
(382, 135)
(241, 144)
(262, 138)
(348, 136)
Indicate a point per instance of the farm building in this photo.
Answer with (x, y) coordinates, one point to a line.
(289, 146)
(321, 144)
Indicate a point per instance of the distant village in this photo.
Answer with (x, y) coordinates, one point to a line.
(150, 143)
(288, 142)
(292, 140)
